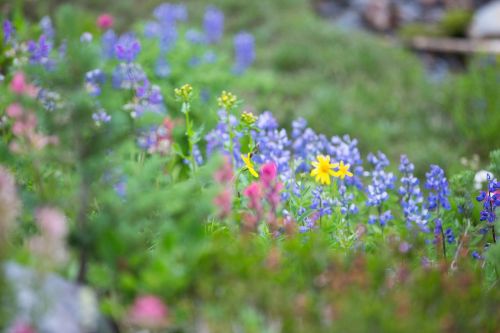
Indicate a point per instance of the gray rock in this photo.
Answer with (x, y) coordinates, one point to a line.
(349, 19)
(51, 303)
(379, 14)
(486, 21)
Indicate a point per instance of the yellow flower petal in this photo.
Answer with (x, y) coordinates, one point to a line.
(249, 165)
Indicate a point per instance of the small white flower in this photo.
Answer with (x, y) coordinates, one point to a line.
(86, 37)
(480, 178)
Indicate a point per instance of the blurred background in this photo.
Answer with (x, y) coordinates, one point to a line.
(403, 76)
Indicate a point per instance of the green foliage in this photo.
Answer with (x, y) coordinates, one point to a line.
(472, 101)
(456, 22)
(495, 162)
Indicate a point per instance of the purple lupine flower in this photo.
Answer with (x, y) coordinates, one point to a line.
(194, 36)
(47, 28)
(346, 149)
(198, 156)
(101, 117)
(121, 187)
(321, 202)
(63, 47)
(8, 30)
(382, 219)
(209, 57)
(108, 43)
(39, 52)
(411, 196)
(218, 138)
(437, 184)
(244, 51)
(127, 48)
(168, 37)
(148, 99)
(346, 201)
(156, 139)
(490, 200)
(273, 144)
(148, 140)
(476, 255)
(450, 237)
(438, 227)
(304, 145)
(152, 29)
(127, 76)
(213, 24)
(167, 16)
(93, 81)
(267, 121)
(309, 224)
(168, 13)
(50, 100)
(381, 182)
(162, 68)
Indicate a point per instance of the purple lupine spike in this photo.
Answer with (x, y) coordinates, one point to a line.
(244, 50)
(108, 43)
(437, 184)
(8, 30)
(127, 48)
(213, 24)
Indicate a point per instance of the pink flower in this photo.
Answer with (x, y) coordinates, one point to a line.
(50, 244)
(14, 110)
(21, 327)
(105, 21)
(10, 204)
(52, 222)
(273, 195)
(254, 193)
(18, 84)
(224, 201)
(268, 173)
(149, 311)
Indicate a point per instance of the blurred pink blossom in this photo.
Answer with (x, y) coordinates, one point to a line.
(50, 244)
(268, 173)
(18, 83)
(21, 327)
(105, 21)
(51, 222)
(149, 311)
(10, 205)
(14, 110)
(19, 86)
(24, 128)
(224, 201)
(254, 193)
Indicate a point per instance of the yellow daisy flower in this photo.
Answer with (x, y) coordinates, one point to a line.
(323, 169)
(249, 165)
(343, 170)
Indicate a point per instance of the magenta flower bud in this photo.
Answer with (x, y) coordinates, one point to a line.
(268, 173)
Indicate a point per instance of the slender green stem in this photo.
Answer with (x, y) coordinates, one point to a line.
(189, 134)
(231, 136)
